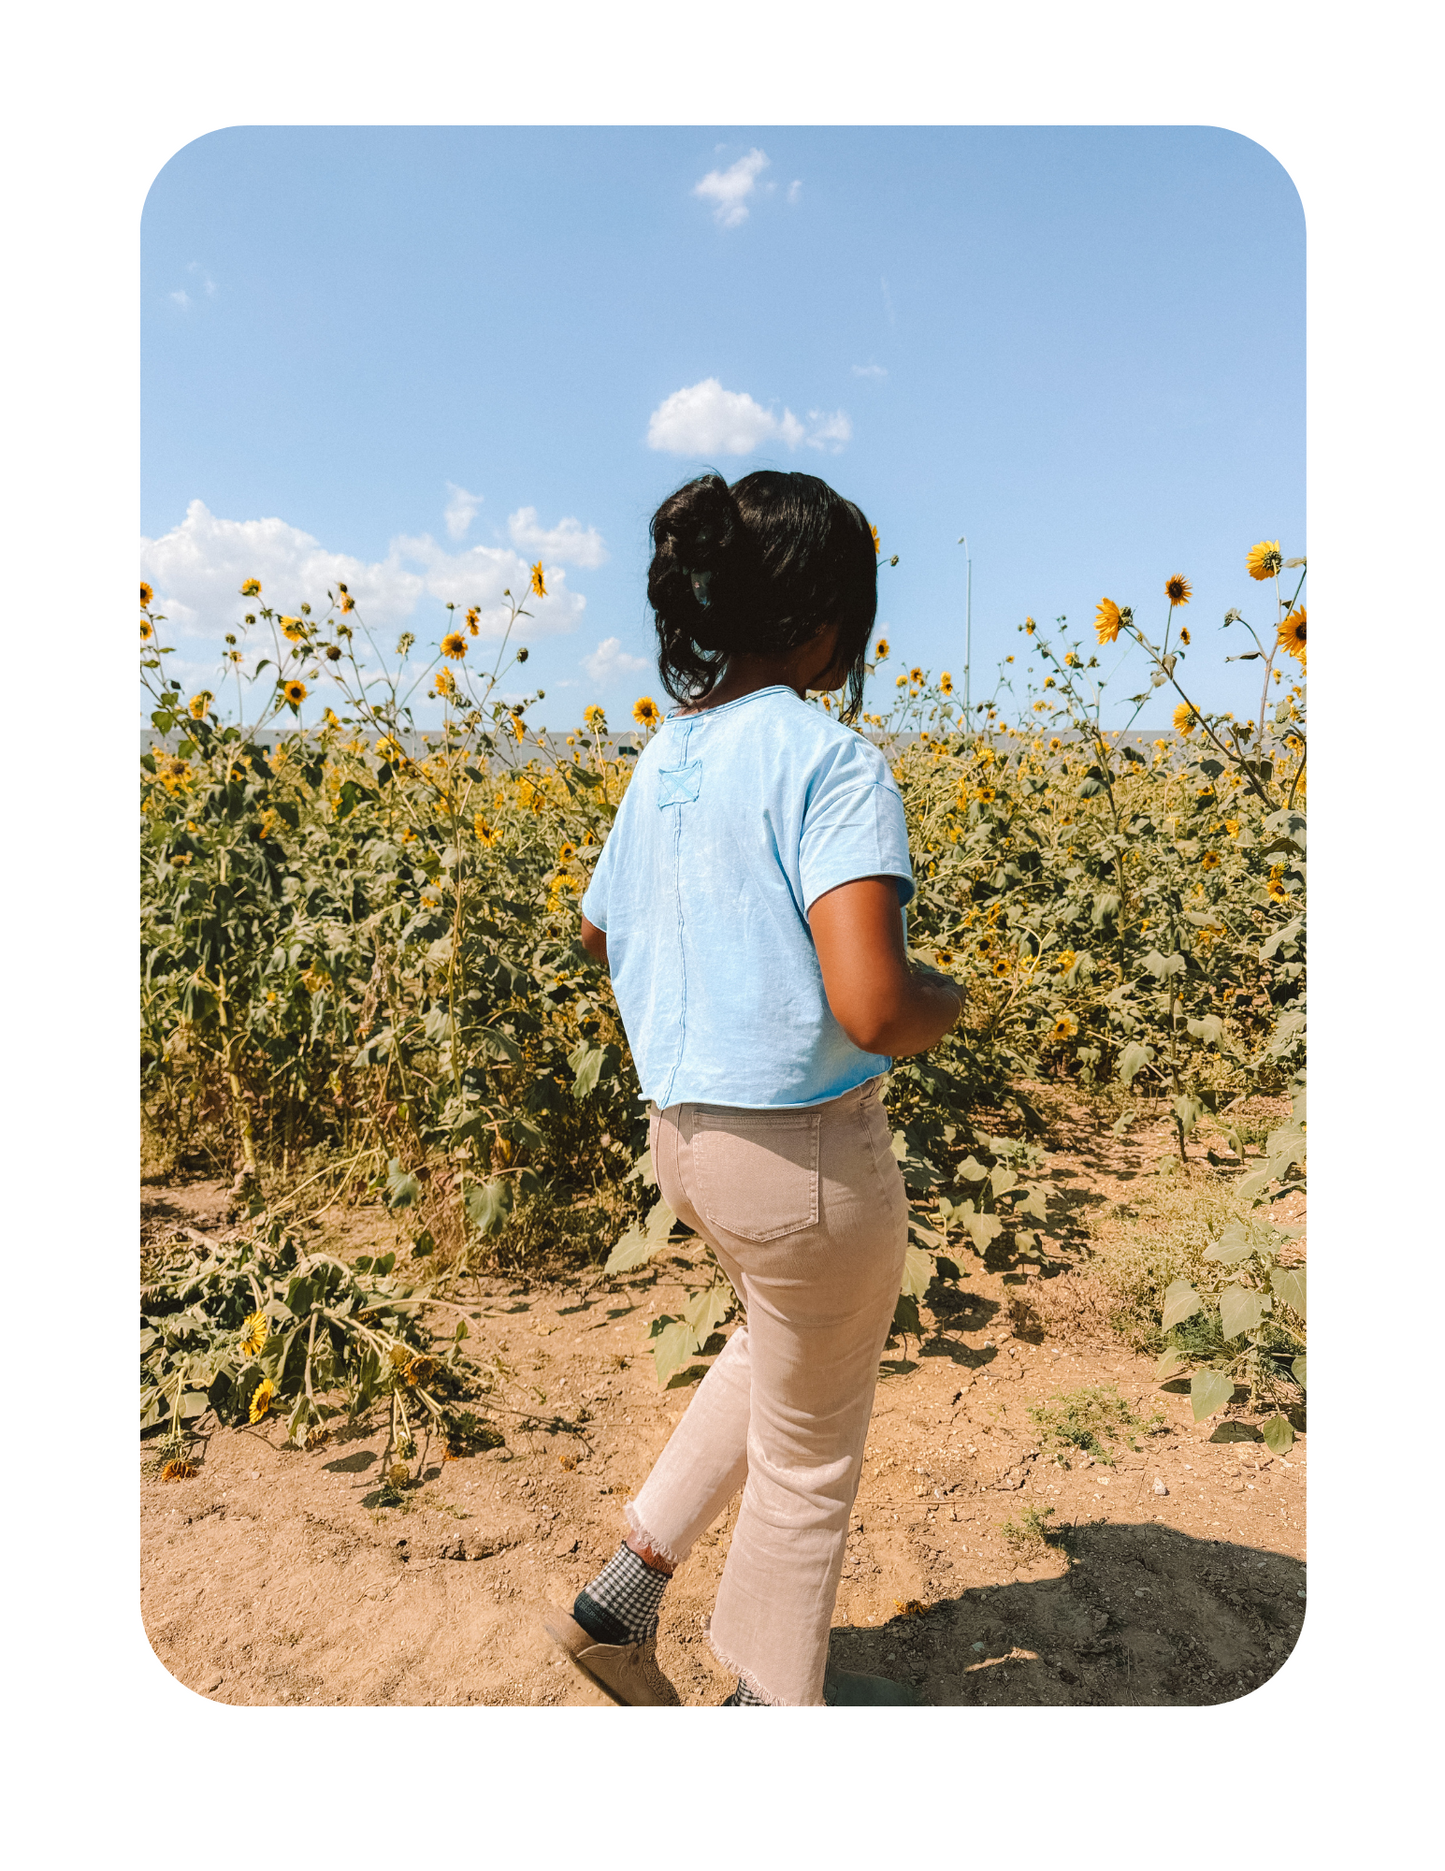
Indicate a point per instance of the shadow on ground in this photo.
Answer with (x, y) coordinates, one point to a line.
(1145, 1615)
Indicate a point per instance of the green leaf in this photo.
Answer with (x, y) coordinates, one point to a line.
(642, 1171)
(586, 1063)
(1297, 1371)
(1210, 1029)
(1209, 1391)
(1288, 1286)
(673, 1343)
(1180, 1302)
(970, 1170)
(983, 1229)
(402, 1188)
(705, 1311)
(488, 1204)
(1278, 1435)
(905, 1317)
(1002, 1179)
(1240, 1310)
(1133, 1059)
(1187, 1108)
(1035, 1203)
(1171, 1362)
(642, 1240)
(917, 1271)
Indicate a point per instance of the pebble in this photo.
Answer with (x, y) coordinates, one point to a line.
(1159, 1487)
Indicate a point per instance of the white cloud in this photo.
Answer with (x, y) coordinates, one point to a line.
(567, 541)
(198, 567)
(729, 189)
(795, 192)
(609, 660)
(832, 433)
(706, 419)
(182, 299)
(869, 370)
(460, 511)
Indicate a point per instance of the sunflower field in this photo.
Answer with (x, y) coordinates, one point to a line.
(360, 961)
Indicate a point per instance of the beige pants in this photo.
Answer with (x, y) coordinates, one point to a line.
(807, 1213)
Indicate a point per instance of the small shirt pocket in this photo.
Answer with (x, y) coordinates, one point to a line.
(757, 1172)
(679, 786)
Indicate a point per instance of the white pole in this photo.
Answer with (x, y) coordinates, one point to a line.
(967, 631)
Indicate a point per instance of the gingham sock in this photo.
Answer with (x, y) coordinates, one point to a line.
(743, 1698)
(621, 1604)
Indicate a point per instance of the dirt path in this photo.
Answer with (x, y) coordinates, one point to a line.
(274, 1576)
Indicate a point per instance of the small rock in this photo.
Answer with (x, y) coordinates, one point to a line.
(1159, 1487)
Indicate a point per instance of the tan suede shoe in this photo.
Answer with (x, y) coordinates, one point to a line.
(626, 1672)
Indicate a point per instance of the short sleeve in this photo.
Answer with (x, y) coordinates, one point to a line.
(594, 897)
(851, 830)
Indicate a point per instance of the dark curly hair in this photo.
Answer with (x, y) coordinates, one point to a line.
(781, 557)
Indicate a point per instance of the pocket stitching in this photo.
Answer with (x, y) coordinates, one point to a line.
(702, 1129)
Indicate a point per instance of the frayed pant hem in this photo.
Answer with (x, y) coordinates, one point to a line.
(734, 1668)
(641, 1534)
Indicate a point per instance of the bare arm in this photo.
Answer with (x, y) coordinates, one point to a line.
(594, 940)
(879, 1002)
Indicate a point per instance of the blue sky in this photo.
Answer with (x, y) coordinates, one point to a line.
(419, 358)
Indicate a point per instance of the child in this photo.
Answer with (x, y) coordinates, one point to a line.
(748, 903)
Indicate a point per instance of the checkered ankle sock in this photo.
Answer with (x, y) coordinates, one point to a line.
(743, 1698)
(621, 1604)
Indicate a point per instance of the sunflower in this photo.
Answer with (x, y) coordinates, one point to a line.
(645, 712)
(1065, 960)
(333, 652)
(566, 852)
(1276, 889)
(484, 832)
(539, 584)
(943, 957)
(147, 630)
(1106, 621)
(198, 705)
(454, 644)
(1065, 1027)
(985, 793)
(595, 716)
(293, 628)
(1210, 861)
(1002, 966)
(1055, 744)
(915, 674)
(180, 859)
(1071, 661)
(1264, 560)
(295, 692)
(179, 1470)
(945, 684)
(348, 603)
(257, 1332)
(1292, 634)
(1184, 719)
(472, 615)
(1184, 633)
(147, 596)
(1177, 589)
(877, 548)
(1030, 626)
(880, 650)
(251, 588)
(261, 1399)
(446, 682)
(419, 1370)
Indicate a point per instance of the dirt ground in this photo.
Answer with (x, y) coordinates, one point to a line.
(275, 1576)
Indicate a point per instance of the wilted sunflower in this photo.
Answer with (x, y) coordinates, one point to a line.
(333, 652)
(539, 585)
(147, 596)
(179, 1470)
(1264, 560)
(256, 1333)
(419, 1370)
(945, 684)
(147, 630)
(645, 712)
(1292, 634)
(880, 650)
(261, 1399)
(1177, 589)
(1065, 1027)
(1106, 621)
(454, 644)
(251, 588)
(1210, 861)
(314, 979)
(1030, 626)
(295, 692)
(1184, 719)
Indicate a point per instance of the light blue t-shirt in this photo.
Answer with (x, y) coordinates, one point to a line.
(736, 820)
